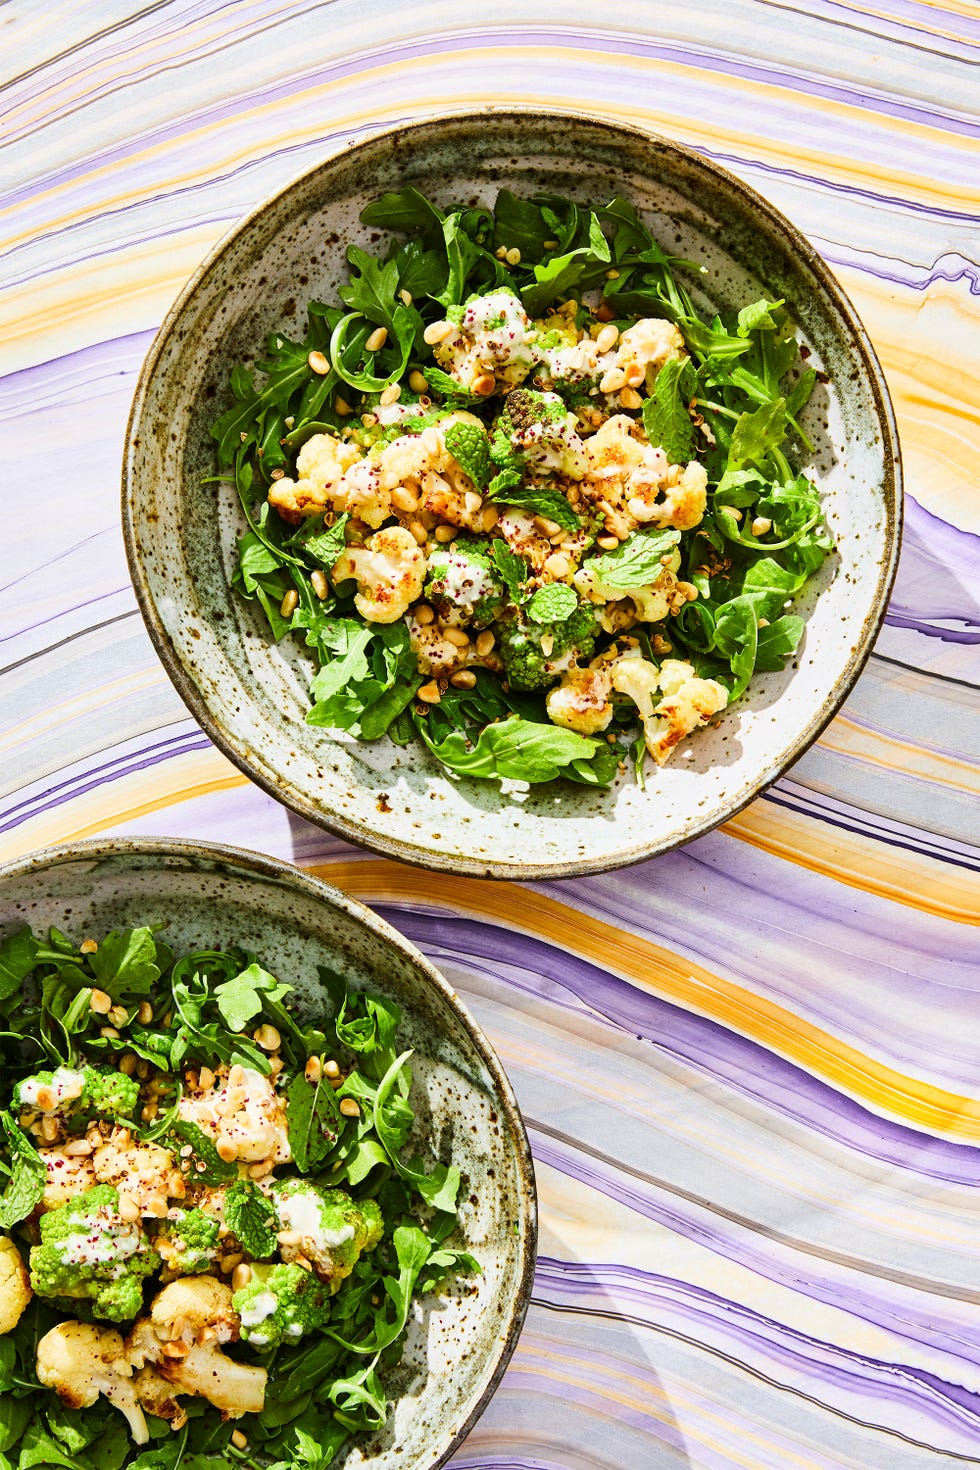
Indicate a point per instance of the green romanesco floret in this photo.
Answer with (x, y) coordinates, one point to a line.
(462, 583)
(281, 1303)
(89, 1253)
(537, 432)
(326, 1226)
(88, 1092)
(187, 1242)
(535, 654)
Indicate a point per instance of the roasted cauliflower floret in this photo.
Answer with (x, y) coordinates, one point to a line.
(581, 701)
(242, 1113)
(68, 1175)
(320, 464)
(187, 1242)
(15, 1287)
(389, 570)
(686, 702)
(491, 346)
(80, 1362)
(281, 1303)
(638, 481)
(462, 583)
(536, 430)
(644, 348)
(182, 1338)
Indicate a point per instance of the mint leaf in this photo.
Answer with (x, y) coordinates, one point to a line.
(206, 1164)
(27, 1177)
(252, 1218)
(513, 570)
(539, 499)
(327, 546)
(553, 604)
(445, 385)
(666, 417)
(637, 561)
(469, 445)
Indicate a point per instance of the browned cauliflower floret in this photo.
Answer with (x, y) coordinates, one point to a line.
(492, 347)
(80, 1362)
(320, 464)
(686, 702)
(242, 1113)
(15, 1286)
(639, 483)
(144, 1173)
(389, 569)
(182, 1338)
(645, 347)
(581, 701)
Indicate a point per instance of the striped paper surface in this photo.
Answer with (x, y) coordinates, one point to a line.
(750, 1069)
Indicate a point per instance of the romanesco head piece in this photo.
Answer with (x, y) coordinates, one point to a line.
(90, 1253)
(281, 1303)
(462, 582)
(326, 1227)
(534, 653)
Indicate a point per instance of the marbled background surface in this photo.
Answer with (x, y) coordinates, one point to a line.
(750, 1069)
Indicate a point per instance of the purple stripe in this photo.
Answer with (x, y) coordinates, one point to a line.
(553, 974)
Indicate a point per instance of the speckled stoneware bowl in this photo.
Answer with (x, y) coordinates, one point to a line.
(250, 695)
(204, 897)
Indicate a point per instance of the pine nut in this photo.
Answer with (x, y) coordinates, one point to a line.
(46, 1100)
(445, 534)
(78, 1148)
(318, 364)
(629, 398)
(472, 502)
(319, 583)
(350, 1107)
(761, 525)
(417, 382)
(238, 1439)
(403, 499)
(612, 381)
(731, 510)
(484, 385)
(369, 420)
(331, 1069)
(259, 1171)
(550, 245)
(490, 517)
(127, 1063)
(513, 257)
(88, 946)
(390, 395)
(341, 407)
(157, 1206)
(49, 1129)
(206, 1079)
(429, 693)
(484, 643)
(405, 297)
(557, 537)
(419, 532)
(313, 1070)
(456, 636)
(289, 1237)
(109, 1033)
(267, 1037)
(144, 1013)
(100, 1003)
(437, 332)
(612, 275)
(226, 1150)
(548, 644)
(465, 679)
(634, 375)
(607, 337)
(423, 614)
(608, 543)
(142, 1069)
(545, 526)
(377, 340)
(241, 1276)
(118, 1015)
(556, 564)
(288, 605)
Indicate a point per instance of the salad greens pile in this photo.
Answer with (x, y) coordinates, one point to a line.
(730, 401)
(106, 1044)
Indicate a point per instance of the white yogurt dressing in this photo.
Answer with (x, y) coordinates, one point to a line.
(302, 1212)
(65, 1086)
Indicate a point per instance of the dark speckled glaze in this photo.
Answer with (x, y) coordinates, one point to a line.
(206, 897)
(250, 695)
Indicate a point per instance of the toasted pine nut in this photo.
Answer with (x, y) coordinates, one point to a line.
(513, 257)
(49, 1129)
(109, 1033)
(118, 1015)
(289, 1237)
(464, 679)
(417, 382)
(612, 381)
(445, 534)
(607, 337)
(548, 644)
(490, 517)
(545, 526)
(226, 1150)
(369, 420)
(313, 1070)
(403, 499)
(429, 694)
(608, 543)
(288, 605)
(484, 643)
(268, 1038)
(259, 1171)
(129, 1210)
(319, 583)
(331, 1069)
(377, 340)
(484, 385)
(341, 407)
(350, 1107)
(46, 1100)
(241, 1276)
(127, 1063)
(390, 395)
(405, 297)
(437, 332)
(423, 614)
(100, 1003)
(472, 502)
(457, 636)
(556, 564)
(612, 275)
(761, 525)
(629, 398)
(731, 510)
(318, 364)
(88, 946)
(78, 1148)
(157, 1206)
(238, 1439)
(175, 1349)
(144, 1013)
(419, 532)
(634, 375)
(205, 1080)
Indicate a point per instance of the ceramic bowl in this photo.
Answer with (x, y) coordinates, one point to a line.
(206, 897)
(250, 695)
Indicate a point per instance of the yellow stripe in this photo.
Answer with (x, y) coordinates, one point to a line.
(846, 737)
(658, 970)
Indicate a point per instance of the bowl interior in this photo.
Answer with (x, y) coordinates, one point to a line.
(250, 695)
(458, 1346)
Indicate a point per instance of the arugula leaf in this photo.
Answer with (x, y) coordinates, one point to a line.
(513, 570)
(516, 749)
(366, 1024)
(637, 561)
(17, 959)
(665, 415)
(313, 1121)
(240, 998)
(404, 210)
(756, 434)
(372, 289)
(553, 603)
(250, 1216)
(777, 641)
(469, 445)
(27, 1178)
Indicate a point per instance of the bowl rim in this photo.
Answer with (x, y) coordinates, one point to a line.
(261, 865)
(460, 863)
